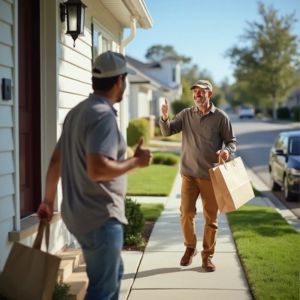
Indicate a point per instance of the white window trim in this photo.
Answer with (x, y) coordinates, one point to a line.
(101, 30)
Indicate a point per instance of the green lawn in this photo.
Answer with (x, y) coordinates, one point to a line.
(151, 211)
(269, 249)
(155, 180)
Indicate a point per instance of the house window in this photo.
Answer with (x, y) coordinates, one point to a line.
(101, 39)
(174, 74)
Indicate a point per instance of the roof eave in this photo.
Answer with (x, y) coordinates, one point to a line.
(139, 10)
(125, 10)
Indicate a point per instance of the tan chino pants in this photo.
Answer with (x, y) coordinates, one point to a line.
(190, 190)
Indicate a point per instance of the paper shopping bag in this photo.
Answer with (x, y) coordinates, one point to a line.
(231, 185)
(29, 273)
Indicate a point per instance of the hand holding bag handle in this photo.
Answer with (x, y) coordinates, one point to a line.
(43, 227)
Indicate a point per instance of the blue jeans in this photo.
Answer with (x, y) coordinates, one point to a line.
(102, 253)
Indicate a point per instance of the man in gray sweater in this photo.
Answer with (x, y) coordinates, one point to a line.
(206, 135)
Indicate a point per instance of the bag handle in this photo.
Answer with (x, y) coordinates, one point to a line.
(43, 227)
(221, 160)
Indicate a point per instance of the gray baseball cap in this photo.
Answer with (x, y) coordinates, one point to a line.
(204, 84)
(110, 64)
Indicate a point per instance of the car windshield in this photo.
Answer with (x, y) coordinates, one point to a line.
(294, 148)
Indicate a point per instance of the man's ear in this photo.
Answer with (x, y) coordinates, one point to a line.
(210, 93)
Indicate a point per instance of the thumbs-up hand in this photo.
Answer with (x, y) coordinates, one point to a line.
(143, 156)
(165, 110)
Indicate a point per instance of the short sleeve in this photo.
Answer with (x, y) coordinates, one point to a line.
(103, 136)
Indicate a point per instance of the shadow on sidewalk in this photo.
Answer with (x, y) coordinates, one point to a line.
(155, 272)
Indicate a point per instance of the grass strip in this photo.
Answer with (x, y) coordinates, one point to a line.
(151, 211)
(269, 249)
(156, 180)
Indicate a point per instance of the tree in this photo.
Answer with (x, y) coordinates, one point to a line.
(158, 52)
(267, 65)
(186, 90)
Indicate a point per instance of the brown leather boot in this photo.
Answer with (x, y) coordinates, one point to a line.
(207, 265)
(187, 258)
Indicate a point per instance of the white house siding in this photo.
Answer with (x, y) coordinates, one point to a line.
(74, 82)
(164, 74)
(133, 104)
(144, 103)
(140, 101)
(7, 166)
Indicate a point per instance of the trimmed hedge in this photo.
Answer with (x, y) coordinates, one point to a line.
(283, 113)
(136, 129)
(168, 159)
(295, 112)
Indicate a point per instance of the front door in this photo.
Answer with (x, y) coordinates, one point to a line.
(29, 106)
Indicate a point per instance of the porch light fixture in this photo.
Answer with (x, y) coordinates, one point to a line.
(75, 12)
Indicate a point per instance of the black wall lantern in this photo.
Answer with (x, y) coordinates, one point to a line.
(75, 12)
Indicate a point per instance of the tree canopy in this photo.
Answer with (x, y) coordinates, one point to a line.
(266, 67)
(158, 52)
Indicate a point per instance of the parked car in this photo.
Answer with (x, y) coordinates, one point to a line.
(284, 164)
(246, 112)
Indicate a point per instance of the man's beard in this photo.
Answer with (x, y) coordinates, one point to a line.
(201, 101)
(120, 96)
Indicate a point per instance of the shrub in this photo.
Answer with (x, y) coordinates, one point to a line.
(295, 112)
(136, 129)
(168, 159)
(61, 291)
(179, 105)
(283, 113)
(157, 131)
(134, 228)
(134, 239)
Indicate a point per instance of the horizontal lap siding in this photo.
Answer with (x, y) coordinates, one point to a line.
(74, 78)
(75, 63)
(7, 164)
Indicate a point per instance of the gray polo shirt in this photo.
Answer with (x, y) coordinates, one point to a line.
(90, 127)
(202, 137)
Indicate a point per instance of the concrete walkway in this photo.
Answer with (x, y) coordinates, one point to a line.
(159, 275)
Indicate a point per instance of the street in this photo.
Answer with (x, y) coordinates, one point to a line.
(255, 138)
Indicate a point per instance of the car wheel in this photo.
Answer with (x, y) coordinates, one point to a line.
(275, 186)
(287, 194)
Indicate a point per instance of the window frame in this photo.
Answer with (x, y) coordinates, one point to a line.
(99, 33)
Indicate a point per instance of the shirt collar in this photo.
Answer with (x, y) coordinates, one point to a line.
(102, 99)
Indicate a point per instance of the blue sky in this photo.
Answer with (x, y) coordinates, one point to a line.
(203, 29)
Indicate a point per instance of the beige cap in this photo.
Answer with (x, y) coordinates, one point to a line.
(109, 64)
(204, 84)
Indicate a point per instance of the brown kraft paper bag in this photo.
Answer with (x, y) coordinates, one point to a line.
(29, 273)
(231, 184)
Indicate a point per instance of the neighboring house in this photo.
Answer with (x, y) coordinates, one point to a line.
(293, 100)
(47, 76)
(151, 84)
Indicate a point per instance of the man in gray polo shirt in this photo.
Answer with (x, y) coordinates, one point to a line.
(90, 158)
(206, 135)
